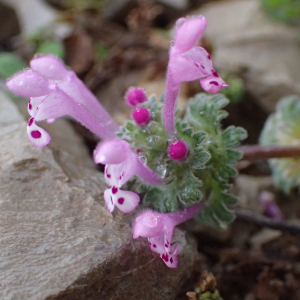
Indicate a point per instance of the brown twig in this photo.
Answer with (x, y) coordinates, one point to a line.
(253, 152)
(266, 222)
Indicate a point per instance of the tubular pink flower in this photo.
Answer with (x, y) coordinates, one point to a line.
(159, 227)
(121, 164)
(135, 95)
(188, 62)
(49, 102)
(51, 67)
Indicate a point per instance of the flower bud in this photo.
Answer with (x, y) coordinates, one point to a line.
(135, 96)
(141, 116)
(178, 150)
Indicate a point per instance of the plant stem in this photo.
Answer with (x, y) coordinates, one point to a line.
(266, 222)
(253, 152)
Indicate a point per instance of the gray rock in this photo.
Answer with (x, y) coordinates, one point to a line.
(57, 239)
(246, 41)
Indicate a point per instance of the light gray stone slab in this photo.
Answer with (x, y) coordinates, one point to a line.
(57, 239)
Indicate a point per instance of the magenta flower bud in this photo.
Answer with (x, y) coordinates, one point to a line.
(141, 116)
(178, 150)
(135, 96)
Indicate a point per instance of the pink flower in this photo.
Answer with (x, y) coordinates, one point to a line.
(159, 227)
(188, 62)
(48, 101)
(121, 164)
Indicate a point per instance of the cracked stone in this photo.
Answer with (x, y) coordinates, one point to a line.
(59, 242)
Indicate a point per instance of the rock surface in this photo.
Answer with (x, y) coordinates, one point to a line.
(246, 41)
(57, 239)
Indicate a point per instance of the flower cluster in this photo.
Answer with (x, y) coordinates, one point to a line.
(167, 158)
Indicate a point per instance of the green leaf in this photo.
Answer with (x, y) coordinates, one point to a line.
(223, 213)
(199, 158)
(233, 135)
(188, 132)
(10, 64)
(229, 199)
(130, 126)
(188, 190)
(232, 156)
(198, 137)
(53, 47)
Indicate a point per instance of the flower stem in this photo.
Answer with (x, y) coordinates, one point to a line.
(172, 91)
(253, 152)
(266, 222)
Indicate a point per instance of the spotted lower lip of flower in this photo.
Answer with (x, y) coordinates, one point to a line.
(37, 135)
(188, 62)
(159, 227)
(123, 163)
(126, 201)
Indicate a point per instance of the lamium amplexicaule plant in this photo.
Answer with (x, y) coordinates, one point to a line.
(180, 163)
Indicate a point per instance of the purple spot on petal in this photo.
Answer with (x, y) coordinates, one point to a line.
(30, 106)
(154, 246)
(165, 257)
(214, 73)
(208, 56)
(114, 190)
(202, 67)
(30, 121)
(214, 83)
(166, 245)
(111, 199)
(108, 175)
(36, 134)
(121, 200)
(150, 243)
(171, 260)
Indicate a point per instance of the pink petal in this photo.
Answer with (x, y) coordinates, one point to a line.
(212, 84)
(76, 89)
(108, 176)
(148, 224)
(37, 135)
(50, 121)
(29, 84)
(49, 66)
(33, 104)
(201, 58)
(126, 201)
(109, 200)
(188, 32)
(111, 152)
(58, 104)
(157, 244)
(171, 260)
(145, 173)
(53, 68)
